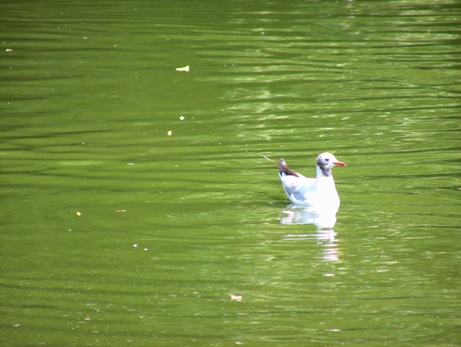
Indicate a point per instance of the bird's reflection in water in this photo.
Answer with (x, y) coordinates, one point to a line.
(323, 220)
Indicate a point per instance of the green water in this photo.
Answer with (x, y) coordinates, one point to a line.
(137, 211)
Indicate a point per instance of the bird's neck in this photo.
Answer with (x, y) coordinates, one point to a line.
(325, 173)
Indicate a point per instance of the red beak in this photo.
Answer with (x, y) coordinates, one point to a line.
(339, 163)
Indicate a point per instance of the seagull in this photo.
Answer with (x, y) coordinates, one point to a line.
(320, 192)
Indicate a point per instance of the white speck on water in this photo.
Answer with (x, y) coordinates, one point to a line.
(236, 297)
(333, 329)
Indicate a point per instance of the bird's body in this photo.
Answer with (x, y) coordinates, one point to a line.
(319, 192)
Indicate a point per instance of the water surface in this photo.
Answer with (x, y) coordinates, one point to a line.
(137, 210)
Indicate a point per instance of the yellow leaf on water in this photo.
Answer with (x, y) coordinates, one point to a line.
(183, 69)
(236, 297)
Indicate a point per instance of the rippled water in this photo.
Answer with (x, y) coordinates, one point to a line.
(137, 210)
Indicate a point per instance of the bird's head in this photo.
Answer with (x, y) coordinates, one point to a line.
(326, 161)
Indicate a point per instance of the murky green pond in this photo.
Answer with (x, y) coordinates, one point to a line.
(136, 209)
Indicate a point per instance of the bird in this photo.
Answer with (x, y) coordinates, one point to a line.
(320, 192)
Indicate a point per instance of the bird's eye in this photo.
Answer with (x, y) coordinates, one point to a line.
(327, 159)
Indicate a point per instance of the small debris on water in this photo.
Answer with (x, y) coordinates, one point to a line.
(169, 133)
(183, 69)
(236, 297)
(135, 245)
(78, 213)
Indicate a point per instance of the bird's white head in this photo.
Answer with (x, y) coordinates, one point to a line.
(326, 161)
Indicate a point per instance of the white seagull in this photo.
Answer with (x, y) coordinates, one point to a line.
(319, 192)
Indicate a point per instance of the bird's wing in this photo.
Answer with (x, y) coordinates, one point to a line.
(299, 189)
